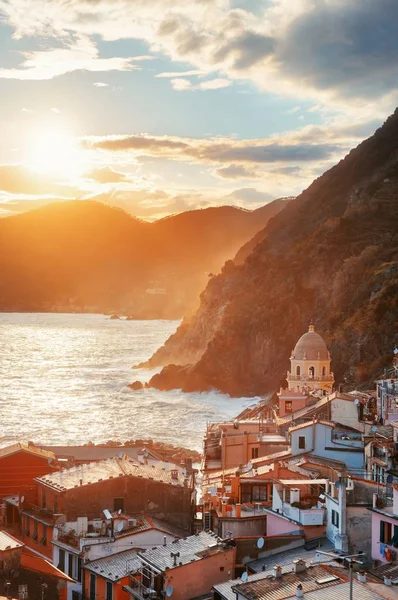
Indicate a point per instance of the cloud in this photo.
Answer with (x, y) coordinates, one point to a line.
(17, 179)
(101, 84)
(179, 74)
(56, 111)
(184, 85)
(77, 54)
(249, 197)
(236, 172)
(106, 175)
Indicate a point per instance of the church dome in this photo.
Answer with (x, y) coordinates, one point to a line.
(311, 347)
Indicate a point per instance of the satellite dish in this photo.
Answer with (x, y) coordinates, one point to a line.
(356, 401)
(119, 512)
(260, 543)
(22, 499)
(120, 526)
(337, 484)
(389, 479)
(395, 350)
(244, 576)
(373, 428)
(107, 514)
(169, 590)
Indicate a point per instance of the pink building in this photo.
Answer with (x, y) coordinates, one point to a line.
(385, 527)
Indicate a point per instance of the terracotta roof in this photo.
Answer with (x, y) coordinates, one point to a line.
(31, 561)
(95, 472)
(9, 450)
(9, 542)
(309, 409)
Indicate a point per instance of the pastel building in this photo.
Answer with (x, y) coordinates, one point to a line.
(385, 527)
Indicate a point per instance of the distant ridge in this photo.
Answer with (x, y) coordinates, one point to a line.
(85, 255)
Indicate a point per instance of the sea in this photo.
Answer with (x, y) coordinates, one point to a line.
(64, 377)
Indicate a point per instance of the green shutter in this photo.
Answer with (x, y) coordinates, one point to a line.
(382, 532)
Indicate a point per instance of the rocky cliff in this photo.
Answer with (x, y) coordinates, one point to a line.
(331, 256)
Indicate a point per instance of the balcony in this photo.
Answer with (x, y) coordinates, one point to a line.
(291, 377)
(304, 516)
(140, 591)
(38, 512)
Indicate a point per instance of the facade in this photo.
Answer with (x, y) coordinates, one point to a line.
(328, 440)
(185, 569)
(107, 577)
(387, 395)
(20, 464)
(310, 365)
(385, 527)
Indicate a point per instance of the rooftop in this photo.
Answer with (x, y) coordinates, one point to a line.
(111, 468)
(285, 586)
(306, 552)
(116, 566)
(311, 346)
(193, 548)
(8, 542)
(311, 408)
(19, 447)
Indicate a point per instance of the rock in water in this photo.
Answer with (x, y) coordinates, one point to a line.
(136, 385)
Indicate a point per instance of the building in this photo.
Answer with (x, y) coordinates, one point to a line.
(10, 552)
(387, 393)
(297, 507)
(385, 526)
(329, 440)
(185, 569)
(108, 576)
(310, 365)
(20, 464)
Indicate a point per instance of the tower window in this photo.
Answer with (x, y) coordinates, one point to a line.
(288, 406)
(311, 372)
(298, 370)
(323, 371)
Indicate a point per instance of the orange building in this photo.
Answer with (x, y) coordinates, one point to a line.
(20, 464)
(184, 569)
(106, 578)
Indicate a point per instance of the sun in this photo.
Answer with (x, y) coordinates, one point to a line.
(54, 151)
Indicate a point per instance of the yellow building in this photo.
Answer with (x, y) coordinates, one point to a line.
(310, 364)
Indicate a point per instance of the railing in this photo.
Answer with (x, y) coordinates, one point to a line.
(33, 509)
(291, 377)
(140, 591)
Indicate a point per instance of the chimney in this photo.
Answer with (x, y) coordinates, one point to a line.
(361, 576)
(81, 481)
(277, 571)
(164, 541)
(238, 512)
(299, 566)
(299, 591)
(223, 509)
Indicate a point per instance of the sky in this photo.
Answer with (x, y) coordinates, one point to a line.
(163, 106)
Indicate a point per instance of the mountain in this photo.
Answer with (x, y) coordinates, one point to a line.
(84, 255)
(331, 257)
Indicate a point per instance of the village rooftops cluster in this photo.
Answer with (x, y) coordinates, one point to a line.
(190, 549)
(111, 468)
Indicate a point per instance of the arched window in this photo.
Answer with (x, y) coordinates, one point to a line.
(298, 371)
(323, 371)
(311, 372)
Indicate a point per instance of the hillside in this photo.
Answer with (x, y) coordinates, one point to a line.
(84, 255)
(331, 256)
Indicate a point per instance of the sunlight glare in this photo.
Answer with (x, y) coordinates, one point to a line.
(52, 150)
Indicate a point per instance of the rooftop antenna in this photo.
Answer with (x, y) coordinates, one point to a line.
(175, 555)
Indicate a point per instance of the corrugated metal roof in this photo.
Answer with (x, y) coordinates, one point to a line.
(193, 548)
(95, 472)
(272, 588)
(116, 566)
(8, 542)
(288, 556)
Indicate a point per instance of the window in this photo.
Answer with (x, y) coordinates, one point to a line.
(259, 492)
(288, 406)
(394, 539)
(385, 532)
(27, 526)
(34, 535)
(118, 504)
(70, 565)
(43, 539)
(92, 586)
(311, 372)
(335, 518)
(109, 590)
(61, 560)
(323, 371)
(79, 569)
(254, 452)
(43, 499)
(301, 442)
(298, 370)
